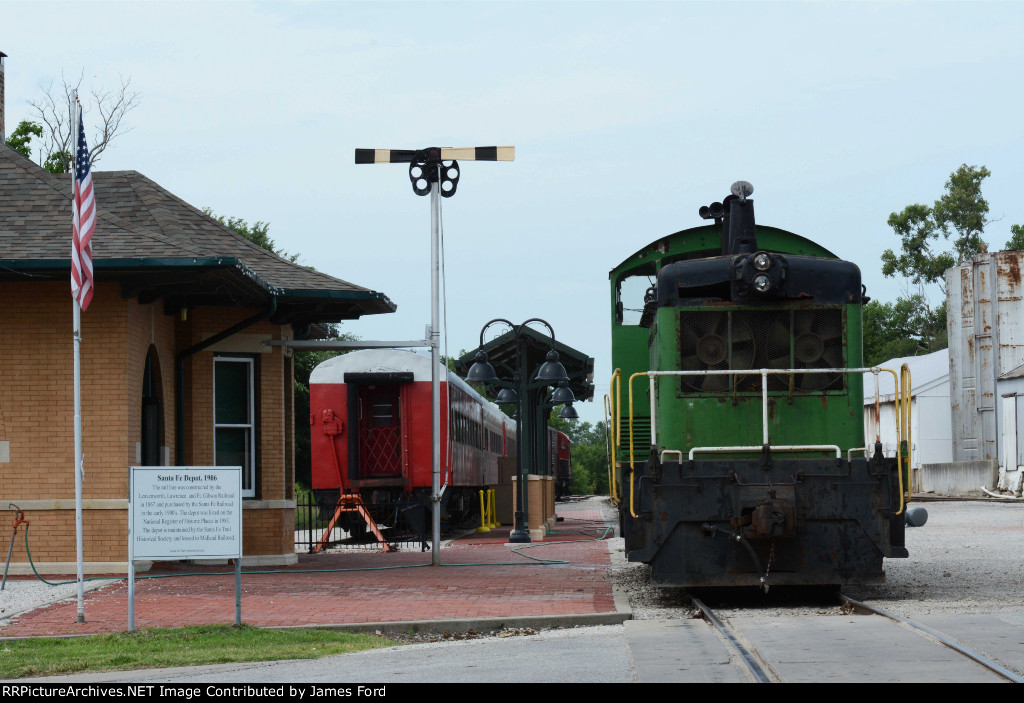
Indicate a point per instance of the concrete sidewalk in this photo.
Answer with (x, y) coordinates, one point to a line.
(483, 584)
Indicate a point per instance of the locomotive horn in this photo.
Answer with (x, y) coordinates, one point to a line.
(715, 211)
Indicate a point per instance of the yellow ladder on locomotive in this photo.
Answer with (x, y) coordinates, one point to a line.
(352, 503)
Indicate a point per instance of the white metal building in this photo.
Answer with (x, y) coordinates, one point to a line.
(1010, 389)
(931, 428)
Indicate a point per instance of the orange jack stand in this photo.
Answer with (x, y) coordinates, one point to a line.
(352, 503)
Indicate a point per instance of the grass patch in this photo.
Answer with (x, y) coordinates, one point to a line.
(164, 647)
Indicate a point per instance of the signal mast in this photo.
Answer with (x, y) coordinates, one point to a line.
(435, 170)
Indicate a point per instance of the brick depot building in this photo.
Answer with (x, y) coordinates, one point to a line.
(174, 366)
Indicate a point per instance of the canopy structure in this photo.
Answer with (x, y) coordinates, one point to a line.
(533, 345)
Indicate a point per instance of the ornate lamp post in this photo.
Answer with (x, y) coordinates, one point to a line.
(514, 391)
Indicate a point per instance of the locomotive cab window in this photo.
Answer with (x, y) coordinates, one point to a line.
(630, 296)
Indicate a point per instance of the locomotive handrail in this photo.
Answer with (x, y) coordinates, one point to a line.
(759, 448)
(631, 470)
(902, 420)
(905, 410)
(616, 406)
(615, 410)
(610, 451)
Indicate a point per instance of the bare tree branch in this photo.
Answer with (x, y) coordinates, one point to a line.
(56, 111)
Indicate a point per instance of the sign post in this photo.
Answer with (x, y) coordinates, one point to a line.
(185, 512)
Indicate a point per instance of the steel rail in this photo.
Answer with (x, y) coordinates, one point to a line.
(749, 658)
(940, 638)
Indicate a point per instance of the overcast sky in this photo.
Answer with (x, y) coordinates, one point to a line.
(626, 117)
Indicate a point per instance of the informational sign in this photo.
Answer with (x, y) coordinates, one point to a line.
(186, 512)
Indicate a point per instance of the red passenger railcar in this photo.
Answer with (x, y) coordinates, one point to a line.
(370, 433)
(560, 454)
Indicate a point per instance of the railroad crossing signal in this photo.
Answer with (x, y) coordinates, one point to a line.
(423, 163)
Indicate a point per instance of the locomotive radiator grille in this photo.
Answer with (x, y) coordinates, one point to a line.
(714, 340)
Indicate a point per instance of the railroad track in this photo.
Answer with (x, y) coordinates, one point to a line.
(762, 670)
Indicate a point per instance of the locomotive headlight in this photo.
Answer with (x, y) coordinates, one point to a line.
(762, 284)
(762, 261)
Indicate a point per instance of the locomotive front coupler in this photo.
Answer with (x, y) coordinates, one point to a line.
(711, 530)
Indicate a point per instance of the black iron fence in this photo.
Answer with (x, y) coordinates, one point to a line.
(403, 525)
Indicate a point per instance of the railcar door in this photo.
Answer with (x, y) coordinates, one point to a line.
(380, 450)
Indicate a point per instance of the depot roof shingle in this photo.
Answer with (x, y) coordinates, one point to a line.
(157, 246)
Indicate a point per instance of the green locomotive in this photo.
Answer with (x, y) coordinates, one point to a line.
(749, 464)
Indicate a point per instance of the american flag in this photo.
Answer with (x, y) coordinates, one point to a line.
(83, 223)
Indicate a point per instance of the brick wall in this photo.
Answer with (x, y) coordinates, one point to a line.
(37, 415)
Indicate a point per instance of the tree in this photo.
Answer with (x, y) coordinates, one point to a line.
(56, 113)
(589, 454)
(258, 233)
(959, 212)
(21, 138)
(911, 325)
(907, 327)
(1016, 241)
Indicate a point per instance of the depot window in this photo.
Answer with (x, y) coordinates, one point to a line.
(234, 426)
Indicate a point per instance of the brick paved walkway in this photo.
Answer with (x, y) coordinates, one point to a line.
(481, 577)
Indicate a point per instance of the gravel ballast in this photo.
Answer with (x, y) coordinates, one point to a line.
(965, 560)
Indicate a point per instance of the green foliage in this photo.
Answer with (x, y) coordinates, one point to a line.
(21, 138)
(581, 483)
(21, 141)
(258, 233)
(1016, 242)
(907, 327)
(960, 212)
(589, 454)
(963, 210)
(916, 227)
(58, 162)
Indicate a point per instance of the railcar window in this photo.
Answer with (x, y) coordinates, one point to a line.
(383, 410)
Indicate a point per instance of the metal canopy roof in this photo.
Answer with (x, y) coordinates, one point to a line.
(501, 353)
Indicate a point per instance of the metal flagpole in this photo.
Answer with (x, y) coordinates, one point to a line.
(77, 334)
(435, 360)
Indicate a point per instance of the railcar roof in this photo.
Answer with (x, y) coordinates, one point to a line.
(391, 360)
